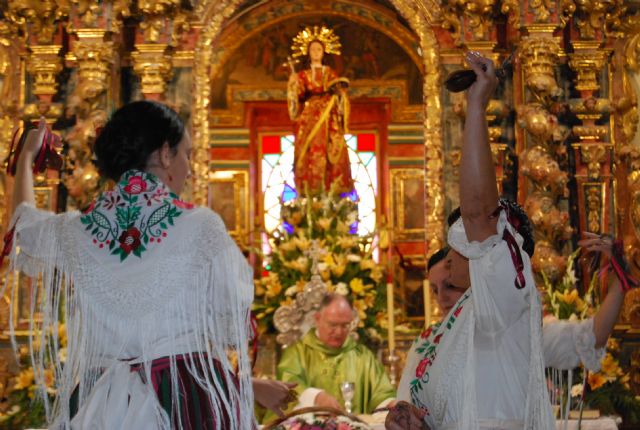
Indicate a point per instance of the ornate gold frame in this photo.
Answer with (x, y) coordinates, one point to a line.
(399, 209)
(239, 179)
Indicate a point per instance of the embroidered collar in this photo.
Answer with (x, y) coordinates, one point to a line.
(134, 216)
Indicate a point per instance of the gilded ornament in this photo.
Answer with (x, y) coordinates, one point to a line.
(475, 16)
(634, 190)
(539, 56)
(548, 260)
(324, 35)
(94, 57)
(593, 155)
(45, 64)
(157, 7)
(38, 17)
(543, 170)
(594, 207)
(587, 66)
(592, 15)
(153, 65)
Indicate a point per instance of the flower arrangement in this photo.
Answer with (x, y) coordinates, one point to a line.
(22, 407)
(607, 390)
(321, 230)
(313, 422)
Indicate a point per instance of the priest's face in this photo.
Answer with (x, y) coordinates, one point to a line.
(333, 323)
(445, 293)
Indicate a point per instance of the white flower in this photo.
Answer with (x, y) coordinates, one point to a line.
(354, 258)
(576, 390)
(62, 355)
(341, 288)
(573, 317)
(322, 267)
(570, 277)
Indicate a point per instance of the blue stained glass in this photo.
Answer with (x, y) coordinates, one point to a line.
(288, 227)
(353, 195)
(289, 193)
(353, 228)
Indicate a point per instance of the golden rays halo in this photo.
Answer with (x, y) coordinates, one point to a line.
(324, 35)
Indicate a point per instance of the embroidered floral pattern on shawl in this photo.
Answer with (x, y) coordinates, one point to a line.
(427, 347)
(144, 209)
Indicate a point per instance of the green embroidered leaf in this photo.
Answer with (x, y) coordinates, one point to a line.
(134, 214)
(145, 239)
(123, 218)
(158, 215)
(85, 219)
(101, 220)
(112, 244)
(95, 231)
(163, 225)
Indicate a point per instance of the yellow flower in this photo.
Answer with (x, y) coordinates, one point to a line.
(302, 243)
(324, 223)
(357, 286)
(346, 242)
(340, 265)
(360, 307)
(62, 335)
(369, 300)
(301, 264)
(273, 289)
(571, 298)
(610, 366)
(596, 380)
(342, 227)
(329, 261)
(330, 287)
(367, 264)
(25, 379)
(287, 246)
(376, 274)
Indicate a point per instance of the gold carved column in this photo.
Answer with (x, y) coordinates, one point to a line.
(94, 29)
(542, 158)
(162, 23)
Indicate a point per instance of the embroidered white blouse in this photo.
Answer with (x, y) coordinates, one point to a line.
(483, 368)
(141, 275)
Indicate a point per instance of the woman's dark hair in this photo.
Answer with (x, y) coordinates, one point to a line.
(437, 257)
(518, 218)
(132, 134)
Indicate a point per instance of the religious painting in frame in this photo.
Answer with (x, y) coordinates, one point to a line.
(407, 204)
(229, 198)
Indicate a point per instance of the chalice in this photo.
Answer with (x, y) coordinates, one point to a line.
(348, 390)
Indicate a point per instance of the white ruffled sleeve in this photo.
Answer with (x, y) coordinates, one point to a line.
(566, 344)
(37, 239)
(497, 302)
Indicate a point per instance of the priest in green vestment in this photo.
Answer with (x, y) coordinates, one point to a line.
(327, 356)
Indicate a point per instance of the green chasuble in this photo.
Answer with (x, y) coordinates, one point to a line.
(312, 364)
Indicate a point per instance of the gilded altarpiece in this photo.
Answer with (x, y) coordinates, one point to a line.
(564, 124)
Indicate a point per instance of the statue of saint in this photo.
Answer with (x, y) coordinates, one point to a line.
(319, 106)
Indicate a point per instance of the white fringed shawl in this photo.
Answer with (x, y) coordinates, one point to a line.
(184, 288)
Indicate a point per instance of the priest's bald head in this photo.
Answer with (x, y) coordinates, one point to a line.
(333, 320)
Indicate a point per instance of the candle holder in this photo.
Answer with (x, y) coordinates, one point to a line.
(393, 363)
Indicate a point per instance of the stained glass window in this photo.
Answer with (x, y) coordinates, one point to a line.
(278, 182)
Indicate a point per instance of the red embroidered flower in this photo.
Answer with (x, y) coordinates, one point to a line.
(90, 208)
(425, 334)
(422, 367)
(130, 240)
(457, 311)
(136, 185)
(437, 339)
(182, 205)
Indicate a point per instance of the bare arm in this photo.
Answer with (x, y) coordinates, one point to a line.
(23, 185)
(478, 191)
(606, 317)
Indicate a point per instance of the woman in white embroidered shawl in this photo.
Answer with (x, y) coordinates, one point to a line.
(155, 293)
(566, 344)
(485, 367)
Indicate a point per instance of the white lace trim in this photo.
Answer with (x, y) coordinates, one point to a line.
(585, 340)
